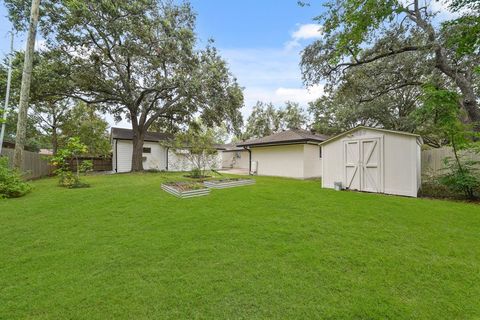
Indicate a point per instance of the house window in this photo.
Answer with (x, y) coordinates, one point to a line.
(147, 150)
(320, 152)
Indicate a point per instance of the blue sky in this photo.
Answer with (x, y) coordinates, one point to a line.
(261, 40)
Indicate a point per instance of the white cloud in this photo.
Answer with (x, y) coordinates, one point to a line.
(301, 95)
(304, 32)
(308, 31)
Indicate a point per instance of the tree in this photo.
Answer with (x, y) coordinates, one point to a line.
(266, 119)
(72, 150)
(50, 84)
(20, 136)
(138, 60)
(197, 145)
(263, 121)
(350, 33)
(380, 94)
(83, 122)
(440, 111)
(292, 116)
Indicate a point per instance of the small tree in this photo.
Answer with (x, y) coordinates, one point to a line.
(197, 146)
(73, 150)
(439, 113)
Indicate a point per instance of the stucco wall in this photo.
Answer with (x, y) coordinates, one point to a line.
(283, 161)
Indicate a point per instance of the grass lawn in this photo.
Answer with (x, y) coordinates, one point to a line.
(125, 249)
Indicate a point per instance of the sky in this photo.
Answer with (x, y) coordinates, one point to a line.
(260, 39)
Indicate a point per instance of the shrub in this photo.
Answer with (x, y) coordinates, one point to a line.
(461, 177)
(11, 183)
(69, 179)
(196, 173)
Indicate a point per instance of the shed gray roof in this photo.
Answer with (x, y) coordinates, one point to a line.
(127, 134)
(285, 137)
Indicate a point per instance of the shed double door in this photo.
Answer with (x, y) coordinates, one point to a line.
(363, 162)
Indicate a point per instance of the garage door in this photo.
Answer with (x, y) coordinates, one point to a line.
(362, 159)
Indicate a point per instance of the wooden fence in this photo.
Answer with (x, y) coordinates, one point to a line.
(99, 163)
(433, 159)
(34, 165)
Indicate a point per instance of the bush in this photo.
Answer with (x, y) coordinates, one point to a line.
(461, 177)
(196, 173)
(11, 183)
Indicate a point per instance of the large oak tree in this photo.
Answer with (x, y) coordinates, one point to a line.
(140, 61)
(353, 30)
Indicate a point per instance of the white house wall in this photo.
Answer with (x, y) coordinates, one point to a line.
(235, 159)
(179, 162)
(156, 160)
(282, 161)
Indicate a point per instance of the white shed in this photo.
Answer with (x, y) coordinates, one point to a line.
(373, 160)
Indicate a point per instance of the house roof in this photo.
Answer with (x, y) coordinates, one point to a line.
(369, 128)
(127, 134)
(231, 147)
(285, 137)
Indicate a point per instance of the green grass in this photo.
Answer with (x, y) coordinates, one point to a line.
(124, 249)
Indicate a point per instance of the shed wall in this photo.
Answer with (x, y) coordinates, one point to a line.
(312, 164)
(401, 161)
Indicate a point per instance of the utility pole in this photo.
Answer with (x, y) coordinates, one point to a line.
(21, 134)
(7, 94)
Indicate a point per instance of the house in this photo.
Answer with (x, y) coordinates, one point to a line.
(290, 153)
(234, 157)
(373, 160)
(155, 155)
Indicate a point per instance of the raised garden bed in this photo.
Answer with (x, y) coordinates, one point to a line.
(228, 183)
(185, 189)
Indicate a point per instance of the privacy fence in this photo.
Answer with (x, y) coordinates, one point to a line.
(34, 165)
(433, 159)
(99, 163)
(37, 166)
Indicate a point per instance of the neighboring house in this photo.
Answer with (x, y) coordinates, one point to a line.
(291, 153)
(234, 157)
(155, 155)
(373, 160)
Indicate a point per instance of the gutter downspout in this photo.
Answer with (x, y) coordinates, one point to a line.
(167, 160)
(249, 160)
(116, 155)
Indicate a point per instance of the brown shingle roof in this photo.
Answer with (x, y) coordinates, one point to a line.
(288, 136)
(127, 134)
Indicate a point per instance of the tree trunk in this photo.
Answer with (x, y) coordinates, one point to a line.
(469, 100)
(54, 140)
(137, 150)
(21, 133)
